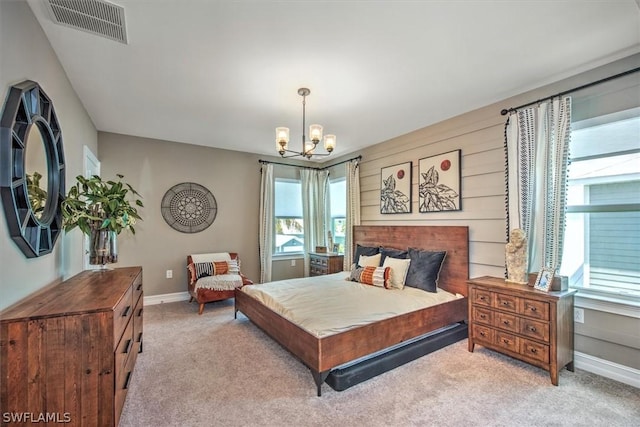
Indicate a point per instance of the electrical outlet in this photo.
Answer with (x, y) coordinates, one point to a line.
(293, 263)
(578, 315)
(169, 274)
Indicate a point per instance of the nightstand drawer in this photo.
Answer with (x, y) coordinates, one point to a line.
(534, 329)
(482, 333)
(481, 297)
(505, 321)
(505, 302)
(535, 309)
(482, 315)
(506, 340)
(534, 350)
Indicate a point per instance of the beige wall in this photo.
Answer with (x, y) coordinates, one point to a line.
(480, 136)
(152, 167)
(27, 55)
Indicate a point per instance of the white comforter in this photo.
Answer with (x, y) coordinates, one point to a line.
(326, 305)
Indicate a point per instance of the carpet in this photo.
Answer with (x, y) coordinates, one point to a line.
(212, 370)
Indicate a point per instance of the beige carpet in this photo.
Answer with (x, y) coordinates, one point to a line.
(212, 370)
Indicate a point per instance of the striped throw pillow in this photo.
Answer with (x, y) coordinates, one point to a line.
(376, 276)
(201, 269)
(233, 267)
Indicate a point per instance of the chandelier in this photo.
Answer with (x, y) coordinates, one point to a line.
(315, 135)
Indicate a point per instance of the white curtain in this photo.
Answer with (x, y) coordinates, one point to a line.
(266, 221)
(537, 144)
(314, 202)
(353, 209)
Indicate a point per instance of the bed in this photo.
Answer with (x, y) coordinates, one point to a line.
(322, 354)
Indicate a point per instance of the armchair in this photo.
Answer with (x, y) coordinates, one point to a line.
(214, 277)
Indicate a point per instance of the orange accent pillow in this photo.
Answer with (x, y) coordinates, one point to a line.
(220, 267)
(376, 276)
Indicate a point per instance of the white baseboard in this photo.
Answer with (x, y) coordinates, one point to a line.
(166, 298)
(605, 368)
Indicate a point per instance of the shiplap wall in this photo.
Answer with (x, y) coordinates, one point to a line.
(479, 136)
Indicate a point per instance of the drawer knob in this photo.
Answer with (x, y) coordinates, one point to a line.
(505, 302)
(532, 308)
(532, 328)
(483, 316)
(483, 334)
(506, 322)
(533, 350)
(506, 341)
(483, 298)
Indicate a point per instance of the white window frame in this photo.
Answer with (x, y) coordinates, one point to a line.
(292, 254)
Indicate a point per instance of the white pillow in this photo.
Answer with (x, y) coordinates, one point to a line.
(369, 261)
(399, 268)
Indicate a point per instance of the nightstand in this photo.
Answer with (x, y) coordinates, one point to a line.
(519, 321)
(327, 263)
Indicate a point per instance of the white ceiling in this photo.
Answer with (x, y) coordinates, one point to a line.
(226, 73)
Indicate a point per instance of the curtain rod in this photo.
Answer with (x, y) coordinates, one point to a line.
(597, 82)
(309, 167)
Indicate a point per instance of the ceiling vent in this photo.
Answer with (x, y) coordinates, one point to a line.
(97, 17)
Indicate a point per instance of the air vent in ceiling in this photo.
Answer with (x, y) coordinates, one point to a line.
(94, 16)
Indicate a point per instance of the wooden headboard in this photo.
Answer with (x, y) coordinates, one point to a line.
(453, 239)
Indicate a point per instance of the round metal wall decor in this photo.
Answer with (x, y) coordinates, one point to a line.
(189, 207)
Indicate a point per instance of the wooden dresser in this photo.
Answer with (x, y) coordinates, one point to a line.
(530, 325)
(328, 263)
(67, 352)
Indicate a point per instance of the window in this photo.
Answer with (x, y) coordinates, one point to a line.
(338, 211)
(288, 221)
(602, 235)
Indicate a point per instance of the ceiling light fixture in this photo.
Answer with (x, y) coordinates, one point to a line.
(315, 133)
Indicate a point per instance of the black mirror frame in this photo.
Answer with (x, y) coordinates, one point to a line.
(28, 105)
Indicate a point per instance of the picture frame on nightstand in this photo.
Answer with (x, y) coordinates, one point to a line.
(544, 279)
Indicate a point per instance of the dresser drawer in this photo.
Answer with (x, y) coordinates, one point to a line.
(137, 324)
(505, 321)
(481, 297)
(506, 340)
(534, 329)
(482, 315)
(482, 333)
(535, 309)
(534, 350)
(137, 288)
(124, 349)
(505, 302)
(122, 385)
(121, 314)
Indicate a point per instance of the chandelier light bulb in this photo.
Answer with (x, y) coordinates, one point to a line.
(315, 136)
(315, 133)
(282, 139)
(329, 142)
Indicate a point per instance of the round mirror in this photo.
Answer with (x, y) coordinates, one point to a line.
(32, 163)
(36, 172)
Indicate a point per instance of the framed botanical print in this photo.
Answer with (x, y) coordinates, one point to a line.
(395, 189)
(439, 183)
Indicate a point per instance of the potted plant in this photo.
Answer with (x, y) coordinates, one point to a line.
(101, 210)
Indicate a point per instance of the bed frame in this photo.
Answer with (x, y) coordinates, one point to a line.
(321, 355)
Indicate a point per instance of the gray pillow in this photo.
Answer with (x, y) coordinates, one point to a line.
(424, 269)
(393, 253)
